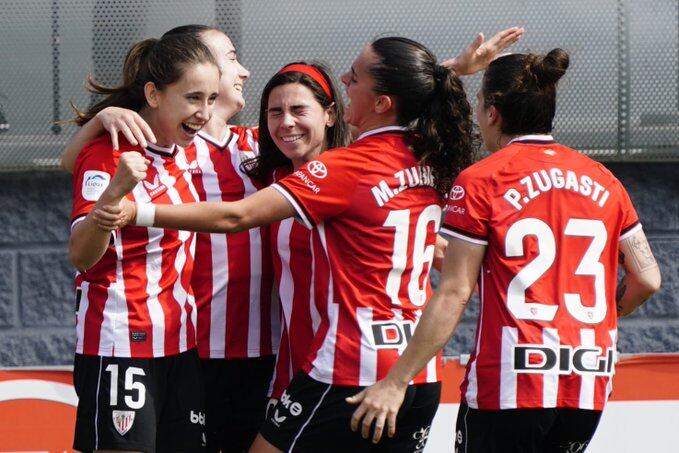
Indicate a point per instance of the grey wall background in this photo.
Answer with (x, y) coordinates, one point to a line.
(36, 295)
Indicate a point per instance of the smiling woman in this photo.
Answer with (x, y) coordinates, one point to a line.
(136, 315)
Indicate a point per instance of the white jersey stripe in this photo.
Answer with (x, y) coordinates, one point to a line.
(550, 383)
(325, 358)
(107, 333)
(121, 321)
(368, 353)
(510, 338)
(81, 314)
(614, 342)
(287, 284)
(471, 394)
(588, 379)
(313, 309)
(178, 291)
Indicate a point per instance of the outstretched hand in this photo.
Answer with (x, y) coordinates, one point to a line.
(127, 122)
(478, 55)
(378, 403)
(114, 217)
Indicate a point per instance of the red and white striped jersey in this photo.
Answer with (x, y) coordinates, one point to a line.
(375, 216)
(137, 300)
(233, 276)
(551, 219)
(293, 257)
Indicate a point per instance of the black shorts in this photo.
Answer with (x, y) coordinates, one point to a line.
(312, 416)
(143, 405)
(236, 392)
(525, 430)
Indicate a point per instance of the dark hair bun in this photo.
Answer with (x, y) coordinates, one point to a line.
(548, 69)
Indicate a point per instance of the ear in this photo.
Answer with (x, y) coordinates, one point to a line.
(494, 116)
(330, 116)
(151, 94)
(383, 103)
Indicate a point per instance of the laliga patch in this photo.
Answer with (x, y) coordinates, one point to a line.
(123, 421)
(317, 169)
(94, 184)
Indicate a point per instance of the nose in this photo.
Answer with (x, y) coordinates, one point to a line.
(288, 120)
(205, 111)
(243, 73)
(345, 79)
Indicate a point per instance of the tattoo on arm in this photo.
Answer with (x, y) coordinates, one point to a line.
(642, 254)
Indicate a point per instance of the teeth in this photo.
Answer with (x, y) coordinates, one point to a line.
(291, 138)
(193, 126)
(238, 87)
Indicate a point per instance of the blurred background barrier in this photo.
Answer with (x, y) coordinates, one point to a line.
(619, 101)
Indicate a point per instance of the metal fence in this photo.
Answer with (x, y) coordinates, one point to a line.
(618, 101)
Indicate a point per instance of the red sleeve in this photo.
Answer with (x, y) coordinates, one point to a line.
(468, 210)
(324, 187)
(94, 168)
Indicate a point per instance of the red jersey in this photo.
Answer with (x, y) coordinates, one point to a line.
(551, 219)
(233, 277)
(293, 258)
(137, 300)
(375, 216)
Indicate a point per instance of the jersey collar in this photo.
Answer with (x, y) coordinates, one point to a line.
(221, 144)
(167, 152)
(382, 130)
(533, 138)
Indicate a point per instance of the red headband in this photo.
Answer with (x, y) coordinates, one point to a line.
(312, 72)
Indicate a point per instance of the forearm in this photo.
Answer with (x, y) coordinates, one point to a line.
(261, 208)
(88, 132)
(642, 275)
(435, 328)
(632, 293)
(211, 217)
(88, 242)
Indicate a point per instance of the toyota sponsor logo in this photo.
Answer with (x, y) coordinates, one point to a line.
(317, 169)
(457, 193)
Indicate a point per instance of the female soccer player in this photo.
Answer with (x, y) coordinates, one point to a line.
(542, 227)
(300, 116)
(136, 363)
(375, 208)
(238, 319)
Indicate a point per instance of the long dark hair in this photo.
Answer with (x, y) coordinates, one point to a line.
(161, 61)
(523, 88)
(270, 156)
(431, 101)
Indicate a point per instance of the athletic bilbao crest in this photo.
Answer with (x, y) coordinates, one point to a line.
(123, 421)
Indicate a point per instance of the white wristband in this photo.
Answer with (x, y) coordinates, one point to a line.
(146, 214)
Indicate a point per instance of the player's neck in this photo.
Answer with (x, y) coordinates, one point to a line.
(216, 127)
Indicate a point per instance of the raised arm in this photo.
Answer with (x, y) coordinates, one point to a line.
(380, 402)
(642, 274)
(478, 55)
(88, 241)
(113, 120)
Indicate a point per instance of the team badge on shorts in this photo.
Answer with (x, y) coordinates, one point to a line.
(123, 421)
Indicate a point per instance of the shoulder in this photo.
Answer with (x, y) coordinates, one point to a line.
(99, 152)
(246, 138)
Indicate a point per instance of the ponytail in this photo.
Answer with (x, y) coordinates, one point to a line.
(444, 136)
(431, 102)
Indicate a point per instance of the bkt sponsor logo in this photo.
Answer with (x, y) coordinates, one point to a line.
(294, 408)
(563, 360)
(391, 334)
(197, 419)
